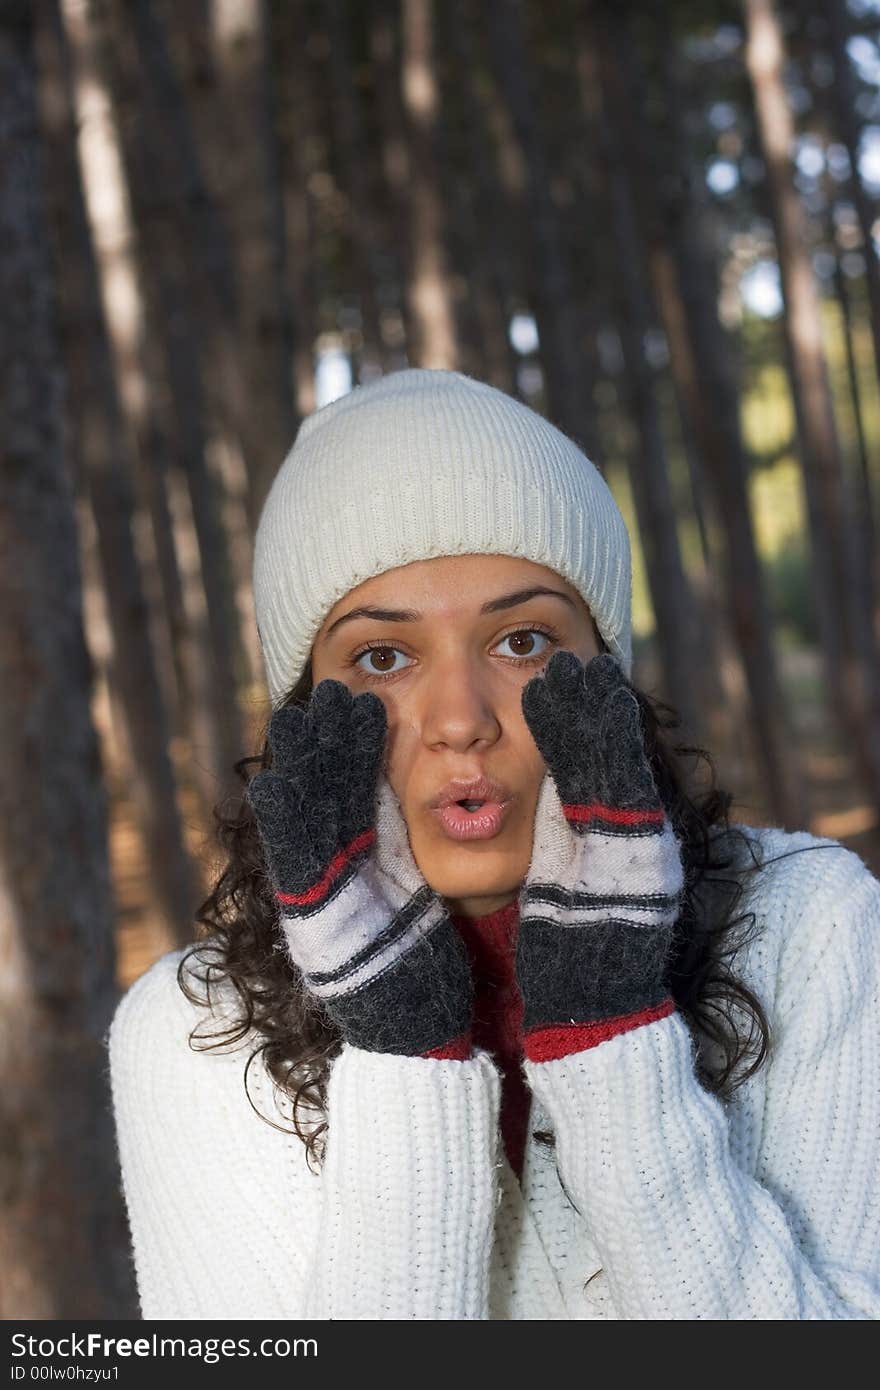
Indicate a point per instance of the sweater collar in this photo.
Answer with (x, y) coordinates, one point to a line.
(490, 940)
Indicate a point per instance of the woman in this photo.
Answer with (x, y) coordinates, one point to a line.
(512, 1061)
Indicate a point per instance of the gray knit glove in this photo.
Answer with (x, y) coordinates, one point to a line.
(602, 893)
(372, 939)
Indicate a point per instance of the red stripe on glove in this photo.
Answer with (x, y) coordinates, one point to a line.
(459, 1050)
(559, 1040)
(617, 815)
(335, 867)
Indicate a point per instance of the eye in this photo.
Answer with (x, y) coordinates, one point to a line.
(367, 651)
(528, 632)
(527, 659)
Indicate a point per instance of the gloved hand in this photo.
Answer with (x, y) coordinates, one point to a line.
(372, 939)
(603, 889)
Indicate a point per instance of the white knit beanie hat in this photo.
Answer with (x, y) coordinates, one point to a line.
(421, 463)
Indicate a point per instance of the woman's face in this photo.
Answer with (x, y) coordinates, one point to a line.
(449, 655)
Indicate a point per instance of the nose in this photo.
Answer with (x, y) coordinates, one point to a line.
(461, 706)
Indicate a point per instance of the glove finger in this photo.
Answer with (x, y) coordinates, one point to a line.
(369, 727)
(337, 755)
(297, 830)
(542, 715)
(564, 669)
(603, 676)
(574, 698)
(269, 796)
(329, 717)
(564, 677)
(298, 760)
(554, 712)
(330, 752)
(609, 723)
(328, 696)
(628, 777)
(367, 736)
(287, 737)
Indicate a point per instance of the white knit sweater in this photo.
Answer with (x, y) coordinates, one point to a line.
(680, 1207)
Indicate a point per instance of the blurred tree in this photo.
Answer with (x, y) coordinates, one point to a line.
(568, 389)
(383, 41)
(173, 180)
(831, 27)
(433, 340)
(63, 1241)
(577, 186)
(481, 219)
(136, 68)
(681, 636)
(833, 565)
(464, 244)
(703, 359)
(229, 88)
(298, 145)
(102, 340)
(366, 225)
(835, 104)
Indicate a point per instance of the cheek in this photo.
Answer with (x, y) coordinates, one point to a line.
(401, 745)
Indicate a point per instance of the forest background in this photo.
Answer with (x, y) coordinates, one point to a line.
(656, 224)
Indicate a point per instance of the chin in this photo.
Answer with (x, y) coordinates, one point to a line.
(464, 883)
(469, 905)
(472, 868)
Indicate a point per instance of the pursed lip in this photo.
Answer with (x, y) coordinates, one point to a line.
(480, 788)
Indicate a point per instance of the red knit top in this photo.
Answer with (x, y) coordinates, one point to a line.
(498, 1012)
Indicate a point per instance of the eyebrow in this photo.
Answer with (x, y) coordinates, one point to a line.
(409, 615)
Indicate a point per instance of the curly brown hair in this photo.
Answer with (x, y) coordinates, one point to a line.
(238, 941)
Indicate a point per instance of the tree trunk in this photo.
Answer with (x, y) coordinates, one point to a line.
(175, 180)
(868, 540)
(229, 88)
(353, 160)
(297, 142)
(842, 99)
(100, 289)
(568, 390)
(219, 663)
(837, 105)
(866, 551)
(476, 224)
(680, 633)
(485, 214)
(828, 504)
(433, 341)
(576, 184)
(455, 189)
(702, 357)
(63, 1236)
(394, 157)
